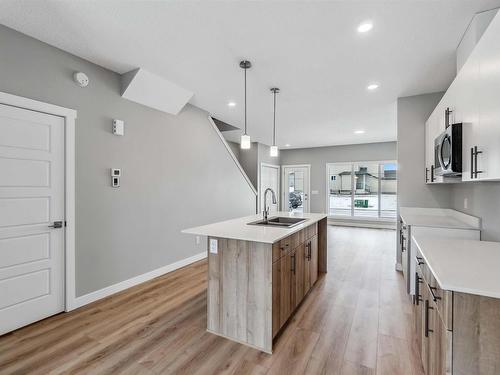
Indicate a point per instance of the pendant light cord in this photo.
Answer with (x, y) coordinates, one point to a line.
(274, 119)
(245, 101)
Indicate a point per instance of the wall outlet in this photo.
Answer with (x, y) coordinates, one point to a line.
(213, 246)
(466, 203)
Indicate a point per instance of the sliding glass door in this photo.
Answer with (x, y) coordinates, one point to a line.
(362, 190)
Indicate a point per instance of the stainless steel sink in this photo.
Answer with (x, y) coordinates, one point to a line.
(278, 221)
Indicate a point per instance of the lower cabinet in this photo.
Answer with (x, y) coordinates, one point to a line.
(295, 270)
(457, 333)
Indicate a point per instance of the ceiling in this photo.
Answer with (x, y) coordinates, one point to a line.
(311, 50)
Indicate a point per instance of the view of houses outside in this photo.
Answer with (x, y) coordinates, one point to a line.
(362, 189)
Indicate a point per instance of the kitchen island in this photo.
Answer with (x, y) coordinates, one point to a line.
(259, 274)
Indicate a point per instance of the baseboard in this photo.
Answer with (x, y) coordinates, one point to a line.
(363, 224)
(122, 285)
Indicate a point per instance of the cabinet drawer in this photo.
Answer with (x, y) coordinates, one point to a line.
(297, 239)
(311, 231)
(443, 301)
(282, 247)
(441, 298)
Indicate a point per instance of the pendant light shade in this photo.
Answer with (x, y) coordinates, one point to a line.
(245, 138)
(274, 149)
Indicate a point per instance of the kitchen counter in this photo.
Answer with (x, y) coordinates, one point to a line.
(464, 266)
(438, 218)
(238, 229)
(259, 275)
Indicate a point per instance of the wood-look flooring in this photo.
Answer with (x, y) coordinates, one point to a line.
(356, 320)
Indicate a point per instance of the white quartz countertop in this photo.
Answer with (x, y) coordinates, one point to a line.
(465, 266)
(239, 229)
(438, 218)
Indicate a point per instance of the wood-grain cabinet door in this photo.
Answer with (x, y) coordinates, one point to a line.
(285, 287)
(424, 334)
(298, 274)
(313, 260)
(307, 268)
(418, 316)
(436, 349)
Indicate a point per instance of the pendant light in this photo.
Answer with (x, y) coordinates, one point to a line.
(245, 138)
(274, 148)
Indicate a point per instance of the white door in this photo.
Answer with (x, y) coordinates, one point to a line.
(269, 178)
(31, 200)
(296, 188)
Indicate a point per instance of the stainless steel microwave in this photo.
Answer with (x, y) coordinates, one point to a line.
(448, 151)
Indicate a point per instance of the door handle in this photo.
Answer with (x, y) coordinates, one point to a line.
(57, 224)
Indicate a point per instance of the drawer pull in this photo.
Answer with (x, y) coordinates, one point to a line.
(434, 297)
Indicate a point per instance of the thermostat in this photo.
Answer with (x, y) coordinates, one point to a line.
(115, 172)
(118, 127)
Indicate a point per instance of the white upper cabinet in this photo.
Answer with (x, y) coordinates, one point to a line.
(474, 98)
(488, 139)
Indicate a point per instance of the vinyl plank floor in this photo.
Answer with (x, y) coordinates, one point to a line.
(356, 320)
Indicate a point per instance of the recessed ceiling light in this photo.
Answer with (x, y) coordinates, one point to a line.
(359, 132)
(365, 27)
(372, 87)
(288, 145)
(231, 104)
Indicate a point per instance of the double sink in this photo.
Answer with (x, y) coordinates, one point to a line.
(278, 221)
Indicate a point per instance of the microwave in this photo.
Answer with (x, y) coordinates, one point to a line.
(448, 151)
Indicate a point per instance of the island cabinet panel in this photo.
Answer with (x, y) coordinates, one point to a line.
(254, 288)
(240, 292)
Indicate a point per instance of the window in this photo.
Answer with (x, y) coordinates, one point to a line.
(362, 190)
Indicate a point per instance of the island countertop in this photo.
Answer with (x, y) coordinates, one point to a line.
(239, 229)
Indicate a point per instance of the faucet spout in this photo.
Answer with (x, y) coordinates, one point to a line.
(265, 213)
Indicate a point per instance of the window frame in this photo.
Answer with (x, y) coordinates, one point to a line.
(353, 192)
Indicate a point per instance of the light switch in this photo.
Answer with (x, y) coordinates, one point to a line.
(115, 181)
(118, 127)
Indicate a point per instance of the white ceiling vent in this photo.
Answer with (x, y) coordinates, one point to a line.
(153, 91)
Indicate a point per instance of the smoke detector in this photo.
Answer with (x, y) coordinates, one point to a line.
(81, 79)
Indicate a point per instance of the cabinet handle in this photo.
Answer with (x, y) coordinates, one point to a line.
(432, 173)
(418, 281)
(293, 263)
(427, 308)
(420, 260)
(426, 175)
(434, 297)
(403, 247)
(471, 162)
(309, 255)
(476, 152)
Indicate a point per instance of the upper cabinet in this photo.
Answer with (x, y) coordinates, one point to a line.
(474, 99)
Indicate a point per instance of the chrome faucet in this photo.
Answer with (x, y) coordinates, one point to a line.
(265, 213)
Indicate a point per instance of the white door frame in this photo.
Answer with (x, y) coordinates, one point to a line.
(69, 116)
(283, 184)
(259, 208)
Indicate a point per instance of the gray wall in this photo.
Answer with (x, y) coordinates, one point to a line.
(483, 200)
(318, 157)
(412, 112)
(249, 159)
(176, 171)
